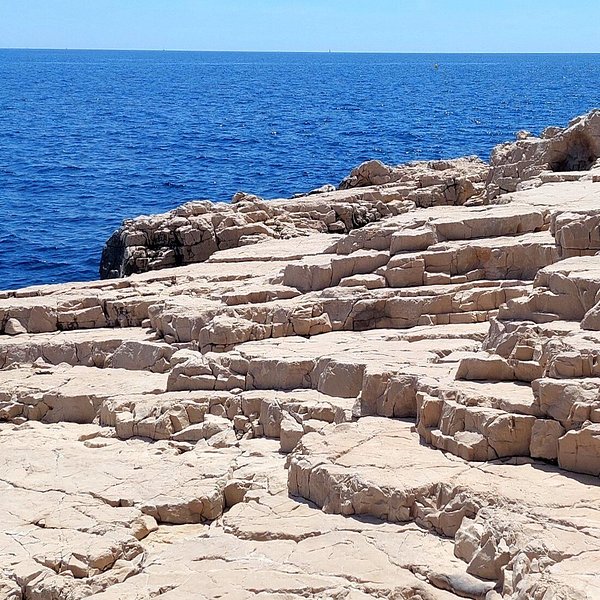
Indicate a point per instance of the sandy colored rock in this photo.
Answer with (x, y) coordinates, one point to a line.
(362, 469)
(386, 390)
(556, 156)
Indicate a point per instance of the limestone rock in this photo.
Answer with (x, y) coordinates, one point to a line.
(14, 327)
(361, 469)
(386, 390)
(573, 149)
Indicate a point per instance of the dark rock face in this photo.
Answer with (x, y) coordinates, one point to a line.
(580, 154)
(111, 265)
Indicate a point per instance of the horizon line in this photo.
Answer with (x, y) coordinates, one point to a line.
(181, 50)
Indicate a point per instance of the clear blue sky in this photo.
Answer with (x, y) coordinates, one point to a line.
(305, 25)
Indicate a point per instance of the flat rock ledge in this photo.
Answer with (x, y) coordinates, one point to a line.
(386, 390)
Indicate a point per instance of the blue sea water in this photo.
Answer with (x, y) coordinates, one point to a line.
(88, 138)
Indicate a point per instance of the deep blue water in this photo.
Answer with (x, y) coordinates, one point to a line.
(91, 137)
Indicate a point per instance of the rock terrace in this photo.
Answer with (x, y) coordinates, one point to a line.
(386, 390)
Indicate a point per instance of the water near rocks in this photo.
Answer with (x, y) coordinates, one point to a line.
(91, 137)
(390, 390)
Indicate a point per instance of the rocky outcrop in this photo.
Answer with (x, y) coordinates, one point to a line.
(390, 390)
(194, 231)
(371, 192)
(557, 155)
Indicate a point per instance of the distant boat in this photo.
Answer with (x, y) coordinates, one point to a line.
(436, 66)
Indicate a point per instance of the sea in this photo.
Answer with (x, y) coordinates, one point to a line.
(89, 138)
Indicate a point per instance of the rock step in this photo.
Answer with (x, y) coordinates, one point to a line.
(576, 356)
(131, 348)
(65, 393)
(483, 366)
(416, 231)
(518, 257)
(472, 432)
(223, 418)
(136, 405)
(578, 450)
(495, 512)
(555, 420)
(525, 351)
(572, 402)
(315, 273)
(216, 327)
(338, 363)
(521, 339)
(568, 290)
(563, 428)
(125, 303)
(45, 314)
(276, 250)
(509, 396)
(476, 433)
(541, 307)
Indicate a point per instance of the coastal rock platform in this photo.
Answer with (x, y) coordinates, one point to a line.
(386, 390)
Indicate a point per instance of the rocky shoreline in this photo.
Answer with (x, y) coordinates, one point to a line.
(386, 390)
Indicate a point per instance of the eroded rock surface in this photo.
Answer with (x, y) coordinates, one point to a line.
(559, 154)
(195, 231)
(388, 390)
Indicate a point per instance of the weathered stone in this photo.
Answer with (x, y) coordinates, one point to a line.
(562, 151)
(177, 432)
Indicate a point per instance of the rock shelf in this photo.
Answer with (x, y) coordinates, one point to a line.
(386, 390)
